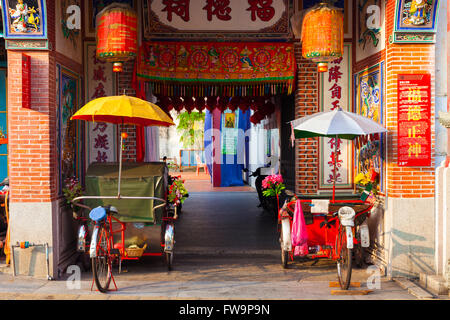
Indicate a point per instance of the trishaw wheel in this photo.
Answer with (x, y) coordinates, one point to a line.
(284, 258)
(284, 253)
(344, 261)
(102, 263)
(169, 260)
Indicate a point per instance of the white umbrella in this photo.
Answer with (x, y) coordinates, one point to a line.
(337, 124)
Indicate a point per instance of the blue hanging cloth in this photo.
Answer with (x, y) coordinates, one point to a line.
(233, 164)
(208, 141)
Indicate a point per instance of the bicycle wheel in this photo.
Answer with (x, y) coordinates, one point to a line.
(102, 263)
(284, 253)
(169, 260)
(344, 262)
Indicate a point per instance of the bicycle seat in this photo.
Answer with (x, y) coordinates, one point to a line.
(97, 214)
(111, 209)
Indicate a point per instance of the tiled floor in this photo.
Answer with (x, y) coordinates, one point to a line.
(202, 183)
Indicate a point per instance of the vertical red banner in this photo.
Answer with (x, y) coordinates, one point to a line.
(414, 120)
(26, 81)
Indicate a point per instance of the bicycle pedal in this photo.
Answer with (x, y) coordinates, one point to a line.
(115, 251)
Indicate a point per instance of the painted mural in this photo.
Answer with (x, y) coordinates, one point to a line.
(68, 99)
(416, 15)
(370, 28)
(369, 103)
(24, 18)
(68, 41)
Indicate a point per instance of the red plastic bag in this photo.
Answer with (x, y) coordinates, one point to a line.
(299, 231)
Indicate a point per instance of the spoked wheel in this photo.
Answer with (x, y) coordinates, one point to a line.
(344, 262)
(284, 253)
(102, 263)
(169, 260)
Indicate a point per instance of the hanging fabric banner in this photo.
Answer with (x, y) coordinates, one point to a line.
(241, 68)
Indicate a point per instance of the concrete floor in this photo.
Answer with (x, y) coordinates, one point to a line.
(226, 248)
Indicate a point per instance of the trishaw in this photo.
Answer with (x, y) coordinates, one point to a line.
(121, 229)
(334, 228)
(107, 244)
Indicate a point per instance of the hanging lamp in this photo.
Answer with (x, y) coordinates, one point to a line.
(117, 26)
(323, 34)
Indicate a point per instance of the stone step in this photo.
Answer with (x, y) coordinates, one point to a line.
(434, 283)
(413, 289)
(4, 268)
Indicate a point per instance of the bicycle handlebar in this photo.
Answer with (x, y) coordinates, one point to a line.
(118, 198)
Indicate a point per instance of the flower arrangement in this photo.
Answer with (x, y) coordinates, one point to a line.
(362, 179)
(2, 133)
(177, 192)
(72, 190)
(367, 181)
(273, 185)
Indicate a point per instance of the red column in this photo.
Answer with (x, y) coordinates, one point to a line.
(217, 152)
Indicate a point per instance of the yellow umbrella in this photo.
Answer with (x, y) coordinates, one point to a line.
(123, 110)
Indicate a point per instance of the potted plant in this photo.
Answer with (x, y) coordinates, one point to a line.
(272, 187)
(3, 138)
(72, 190)
(177, 192)
(367, 183)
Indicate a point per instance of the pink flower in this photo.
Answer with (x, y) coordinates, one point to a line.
(272, 181)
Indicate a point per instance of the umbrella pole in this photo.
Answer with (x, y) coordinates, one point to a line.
(335, 166)
(120, 165)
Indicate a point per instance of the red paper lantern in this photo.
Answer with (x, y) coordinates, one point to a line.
(257, 103)
(268, 108)
(234, 103)
(169, 103)
(256, 117)
(189, 104)
(244, 104)
(177, 103)
(323, 35)
(211, 103)
(200, 104)
(222, 103)
(117, 27)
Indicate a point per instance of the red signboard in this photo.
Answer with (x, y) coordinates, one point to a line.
(414, 120)
(26, 81)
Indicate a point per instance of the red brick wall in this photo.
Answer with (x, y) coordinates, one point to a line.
(32, 138)
(306, 102)
(124, 86)
(403, 182)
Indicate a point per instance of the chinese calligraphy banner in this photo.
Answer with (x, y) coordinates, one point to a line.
(100, 137)
(414, 120)
(202, 64)
(336, 92)
(208, 18)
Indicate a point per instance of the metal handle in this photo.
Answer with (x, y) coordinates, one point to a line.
(119, 197)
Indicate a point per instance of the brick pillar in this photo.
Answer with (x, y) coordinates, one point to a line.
(409, 216)
(306, 103)
(32, 135)
(124, 86)
(33, 162)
